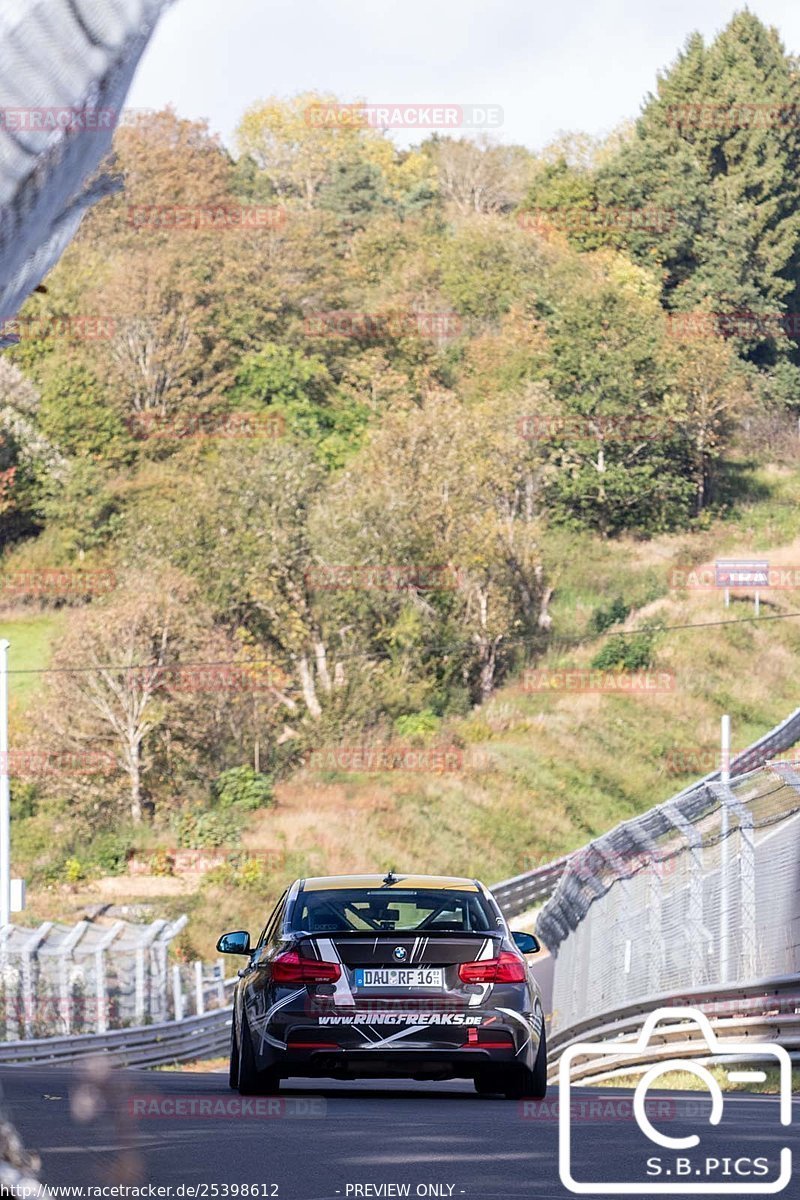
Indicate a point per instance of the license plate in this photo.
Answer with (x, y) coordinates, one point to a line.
(389, 977)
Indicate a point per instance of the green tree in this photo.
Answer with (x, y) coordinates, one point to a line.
(615, 455)
(442, 502)
(299, 387)
(717, 149)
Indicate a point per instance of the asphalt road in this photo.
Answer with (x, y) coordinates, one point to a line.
(361, 1140)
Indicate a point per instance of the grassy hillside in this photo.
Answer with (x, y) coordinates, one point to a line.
(31, 635)
(530, 775)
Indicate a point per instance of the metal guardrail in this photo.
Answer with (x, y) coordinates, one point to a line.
(139, 1046)
(767, 1011)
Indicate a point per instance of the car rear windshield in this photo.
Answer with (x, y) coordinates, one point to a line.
(394, 910)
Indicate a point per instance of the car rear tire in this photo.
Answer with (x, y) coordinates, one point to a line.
(233, 1072)
(530, 1083)
(251, 1081)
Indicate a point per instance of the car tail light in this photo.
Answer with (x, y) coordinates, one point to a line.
(508, 968)
(289, 967)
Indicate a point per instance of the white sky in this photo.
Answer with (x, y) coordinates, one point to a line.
(551, 64)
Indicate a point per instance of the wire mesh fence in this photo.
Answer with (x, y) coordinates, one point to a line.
(67, 66)
(92, 978)
(700, 891)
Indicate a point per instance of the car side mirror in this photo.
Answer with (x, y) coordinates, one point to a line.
(234, 943)
(526, 942)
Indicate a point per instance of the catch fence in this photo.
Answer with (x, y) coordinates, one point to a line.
(702, 891)
(58, 980)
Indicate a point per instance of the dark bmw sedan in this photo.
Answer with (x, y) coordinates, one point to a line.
(369, 976)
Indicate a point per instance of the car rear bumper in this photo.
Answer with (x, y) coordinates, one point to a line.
(402, 1050)
(404, 1064)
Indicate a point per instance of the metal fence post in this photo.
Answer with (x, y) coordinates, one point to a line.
(64, 988)
(177, 992)
(621, 950)
(139, 1005)
(696, 929)
(143, 993)
(100, 993)
(200, 1006)
(27, 994)
(101, 985)
(11, 1003)
(655, 950)
(29, 951)
(747, 968)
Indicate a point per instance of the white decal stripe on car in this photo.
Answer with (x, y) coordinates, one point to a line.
(261, 1023)
(342, 993)
(402, 1033)
(486, 951)
(516, 1017)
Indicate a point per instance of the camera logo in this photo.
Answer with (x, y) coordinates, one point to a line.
(686, 1167)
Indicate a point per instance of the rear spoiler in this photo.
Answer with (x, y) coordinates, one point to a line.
(398, 933)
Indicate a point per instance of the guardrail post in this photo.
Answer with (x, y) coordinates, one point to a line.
(696, 929)
(221, 982)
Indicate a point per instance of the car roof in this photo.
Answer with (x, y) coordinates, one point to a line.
(420, 882)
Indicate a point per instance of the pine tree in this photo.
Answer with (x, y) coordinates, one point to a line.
(717, 149)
